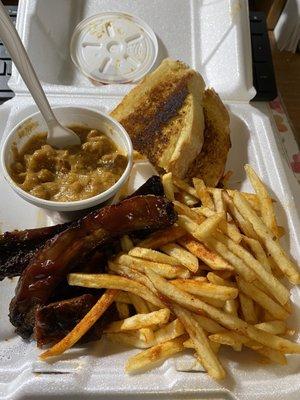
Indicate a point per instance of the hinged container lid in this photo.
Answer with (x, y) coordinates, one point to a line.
(113, 47)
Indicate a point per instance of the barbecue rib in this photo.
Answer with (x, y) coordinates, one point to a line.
(17, 248)
(52, 263)
(55, 320)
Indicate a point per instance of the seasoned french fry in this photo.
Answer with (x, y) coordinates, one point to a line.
(167, 332)
(138, 303)
(128, 338)
(209, 257)
(122, 309)
(273, 341)
(214, 345)
(186, 198)
(160, 238)
(139, 321)
(214, 302)
(280, 292)
(83, 326)
(166, 270)
(167, 182)
(153, 255)
(229, 338)
(146, 334)
(106, 281)
(228, 321)
(231, 307)
(233, 339)
(240, 267)
(203, 230)
(204, 352)
(187, 211)
(266, 205)
(202, 193)
(227, 228)
(274, 327)
(130, 273)
(184, 186)
(208, 324)
(217, 280)
(218, 200)
(259, 252)
(146, 359)
(247, 307)
(193, 303)
(183, 256)
(250, 197)
(244, 225)
(273, 246)
(123, 297)
(262, 299)
(126, 243)
(205, 289)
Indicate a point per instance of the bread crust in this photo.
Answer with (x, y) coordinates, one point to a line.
(210, 163)
(164, 118)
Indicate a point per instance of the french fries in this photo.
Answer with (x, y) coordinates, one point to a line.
(83, 326)
(105, 281)
(138, 303)
(202, 193)
(163, 237)
(155, 354)
(218, 200)
(274, 327)
(126, 243)
(247, 308)
(153, 255)
(244, 225)
(278, 289)
(123, 309)
(266, 205)
(227, 228)
(211, 280)
(262, 299)
(183, 256)
(205, 354)
(185, 187)
(283, 261)
(205, 289)
(203, 230)
(234, 339)
(166, 270)
(209, 257)
(139, 321)
(168, 186)
(228, 321)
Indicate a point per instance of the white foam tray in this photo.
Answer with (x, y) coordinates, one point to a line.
(97, 373)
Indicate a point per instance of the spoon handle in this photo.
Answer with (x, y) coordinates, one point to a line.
(13, 44)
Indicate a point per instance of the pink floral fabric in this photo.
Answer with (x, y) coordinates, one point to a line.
(290, 147)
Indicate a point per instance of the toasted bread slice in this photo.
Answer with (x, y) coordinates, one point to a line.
(210, 163)
(164, 118)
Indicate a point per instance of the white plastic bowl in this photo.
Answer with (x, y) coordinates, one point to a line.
(68, 116)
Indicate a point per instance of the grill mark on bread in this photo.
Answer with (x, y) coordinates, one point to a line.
(146, 123)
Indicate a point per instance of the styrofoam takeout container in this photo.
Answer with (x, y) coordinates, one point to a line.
(68, 116)
(213, 37)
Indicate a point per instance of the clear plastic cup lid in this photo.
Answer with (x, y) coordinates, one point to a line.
(113, 47)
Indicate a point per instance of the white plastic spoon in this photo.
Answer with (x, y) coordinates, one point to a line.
(58, 136)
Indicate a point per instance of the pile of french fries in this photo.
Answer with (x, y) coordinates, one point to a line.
(217, 277)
